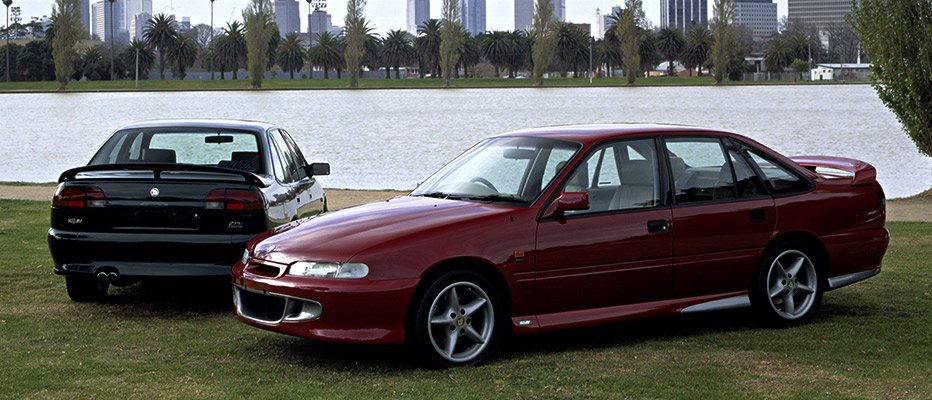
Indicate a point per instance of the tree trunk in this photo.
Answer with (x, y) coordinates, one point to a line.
(388, 72)
(291, 71)
(326, 73)
(161, 65)
(397, 73)
(339, 73)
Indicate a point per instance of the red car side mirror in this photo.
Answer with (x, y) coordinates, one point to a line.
(567, 201)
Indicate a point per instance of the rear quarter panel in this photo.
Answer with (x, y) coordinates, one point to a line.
(848, 220)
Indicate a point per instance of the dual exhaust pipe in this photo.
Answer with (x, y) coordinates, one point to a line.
(104, 276)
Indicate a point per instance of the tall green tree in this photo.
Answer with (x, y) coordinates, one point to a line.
(327, 53)
(777, 54)
(725, 42)
(231, 48)
(397, 50)
(630, 31)
(543, 35)
(450, 39)
(898, 37)
(521, 56)
(670, 42)
(698, 46)
(497, 47)
(161, 34)
(182, 56)
(66, 21)
(291, 54)
(257, 16)
(356, 28)
(427, 47)
(145, 55)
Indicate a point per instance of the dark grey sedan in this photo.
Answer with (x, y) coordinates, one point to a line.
(176, 198)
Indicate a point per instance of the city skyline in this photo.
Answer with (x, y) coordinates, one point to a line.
(384, 14)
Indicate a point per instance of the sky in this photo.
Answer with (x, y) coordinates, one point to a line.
(384, 14)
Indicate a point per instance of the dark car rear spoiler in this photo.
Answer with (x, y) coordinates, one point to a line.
(157, 169)
(861, 172)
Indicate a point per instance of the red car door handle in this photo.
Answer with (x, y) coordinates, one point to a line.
(657, 226)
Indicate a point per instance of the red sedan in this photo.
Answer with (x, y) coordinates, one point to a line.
(563, 227)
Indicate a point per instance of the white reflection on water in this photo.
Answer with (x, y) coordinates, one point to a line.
(377, 139)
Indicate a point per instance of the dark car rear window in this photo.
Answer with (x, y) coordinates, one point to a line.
(226, 149)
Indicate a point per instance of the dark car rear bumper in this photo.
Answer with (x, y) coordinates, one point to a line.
(141, 255)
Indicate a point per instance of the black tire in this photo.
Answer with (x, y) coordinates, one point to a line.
(429, 333)
(82, 290)
(788, 293)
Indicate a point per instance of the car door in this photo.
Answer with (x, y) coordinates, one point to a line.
(722, 216)
(283, 204)
(614, 253)
(309, 196)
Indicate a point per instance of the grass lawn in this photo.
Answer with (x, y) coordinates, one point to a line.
(298, 84)
(871, 340)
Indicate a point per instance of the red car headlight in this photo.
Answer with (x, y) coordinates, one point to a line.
(329, 270)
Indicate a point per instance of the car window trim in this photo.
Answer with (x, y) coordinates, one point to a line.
(745, 147)
(570, 169)
(724, 150)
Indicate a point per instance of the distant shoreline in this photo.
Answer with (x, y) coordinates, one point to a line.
(156, 86)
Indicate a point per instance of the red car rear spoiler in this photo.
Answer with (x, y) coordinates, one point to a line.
(861, 172)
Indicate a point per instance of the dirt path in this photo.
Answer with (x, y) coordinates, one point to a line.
(916, 208)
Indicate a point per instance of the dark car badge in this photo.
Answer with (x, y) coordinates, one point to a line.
(154, 192)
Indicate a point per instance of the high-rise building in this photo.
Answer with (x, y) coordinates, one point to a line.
(101, 21)
(137, 14)
(86, 16)
(137, 28)
(287, 16)
(319, 21)
(682, 14)
(820, 13)
(418, 12)
(758, 15)
(524, 12)
(607, 21)
(472, 16)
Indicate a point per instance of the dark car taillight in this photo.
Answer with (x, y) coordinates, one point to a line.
(79, 197)
(233, 199)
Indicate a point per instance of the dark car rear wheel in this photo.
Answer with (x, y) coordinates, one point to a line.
(787, 288)
(83, 289)
(458, 320)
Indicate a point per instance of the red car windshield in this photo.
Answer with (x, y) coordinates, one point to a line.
(508, 169)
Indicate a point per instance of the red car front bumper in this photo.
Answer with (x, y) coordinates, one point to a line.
(337, 310)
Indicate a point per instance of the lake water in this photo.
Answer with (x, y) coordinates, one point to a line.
(393, 139)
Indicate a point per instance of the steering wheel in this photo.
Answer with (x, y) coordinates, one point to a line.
(485, 182)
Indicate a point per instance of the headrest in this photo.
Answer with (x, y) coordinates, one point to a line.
(244, 155)
(165, 156)
(638, 172)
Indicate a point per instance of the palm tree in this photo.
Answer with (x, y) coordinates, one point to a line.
(650, 57)
(611, 51)
(232, 48)
(698, 46)
(161, 35)
(670, 42)
(183, 55)
(778, 54)
(145, 54)
(427, 47)
(497, 47)
(570, 41)
(291, 54)
(397, 49)
(372, 51)
(327, 53)
(521, 52)
(468, 53)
